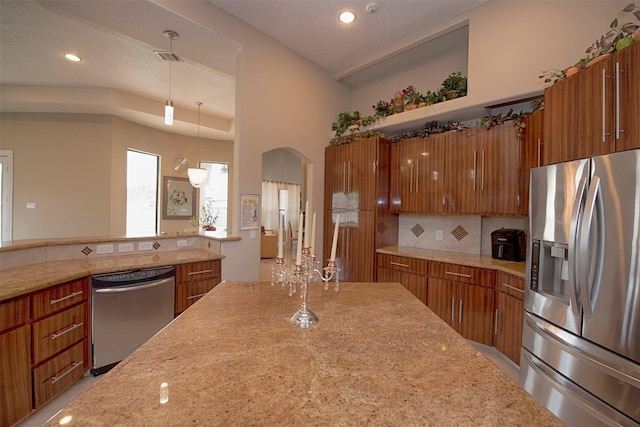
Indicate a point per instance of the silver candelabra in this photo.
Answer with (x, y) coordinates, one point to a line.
(298, 277)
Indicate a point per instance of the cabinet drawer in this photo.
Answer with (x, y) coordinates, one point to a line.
(511, 285)
(58, 373)
(188, 293)
(462, 274)
(400, 263)
(14, 313)
(198, 271)
(58, 332)
(59, 297)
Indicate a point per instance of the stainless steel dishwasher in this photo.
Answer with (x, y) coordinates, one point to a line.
(128, 308)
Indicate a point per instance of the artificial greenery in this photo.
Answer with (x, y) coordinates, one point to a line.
(352, 122)
(207, 219)
(618, 37)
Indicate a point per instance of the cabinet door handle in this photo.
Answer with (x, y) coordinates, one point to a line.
(55, 379)
(55, 301)
(460, 313)
(482, 173)
(513, 288)
(344, 177)
(618, 71)
(66, 331)
(495, 330)
(539, 151)
(453, 310)
(417, 173)
(475, 167)
(349, 176)
(604, 105)
(196, 296)
(399, 264)
(192, 273)
(468, 276)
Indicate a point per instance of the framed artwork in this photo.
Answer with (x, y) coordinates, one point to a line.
(249, 211)
(179, 198)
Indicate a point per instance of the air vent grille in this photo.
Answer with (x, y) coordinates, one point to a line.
(167, 56)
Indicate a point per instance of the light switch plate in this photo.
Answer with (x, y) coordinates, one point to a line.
(181, 243)
(439, 235)
(125, 247)
(145, 246)
(104, 249)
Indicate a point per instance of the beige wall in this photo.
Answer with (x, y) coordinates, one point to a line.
(73, 166)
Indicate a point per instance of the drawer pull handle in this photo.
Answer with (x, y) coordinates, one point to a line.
(55, 301)
(191, 273)
(68, 371)
(513, 288)
(399, 264)
(59, 334)
(468, 276)
(196, 296)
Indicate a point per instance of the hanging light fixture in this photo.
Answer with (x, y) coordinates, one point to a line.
(168, 108)
(197, 176)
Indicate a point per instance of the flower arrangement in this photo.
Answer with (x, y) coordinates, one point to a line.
(207, 219)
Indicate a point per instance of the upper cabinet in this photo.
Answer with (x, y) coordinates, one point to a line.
(476, 171)
(595, 111)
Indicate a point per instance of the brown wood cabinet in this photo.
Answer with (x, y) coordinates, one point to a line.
(411, 272)
(60, 338)
(464, 298)
(595, 111)
(508, 315)
(193, 281)
(482, 168)
(15, 363)
(420, 174)
(357, 186)
(532, 152)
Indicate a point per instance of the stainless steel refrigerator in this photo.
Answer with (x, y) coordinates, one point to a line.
(581, 333)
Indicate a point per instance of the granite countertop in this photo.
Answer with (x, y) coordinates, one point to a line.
(471, 260)
(34, 277)
(378, 356)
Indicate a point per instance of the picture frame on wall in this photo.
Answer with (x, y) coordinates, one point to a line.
(249, 211)
(179, 198)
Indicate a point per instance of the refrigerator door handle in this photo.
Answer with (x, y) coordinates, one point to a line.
(589, 275)
(574, 241)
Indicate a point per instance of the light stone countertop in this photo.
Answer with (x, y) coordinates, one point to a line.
(378, 356)
(471, 260)
(34, 277)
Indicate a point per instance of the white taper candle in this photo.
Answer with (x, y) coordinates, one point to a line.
(334, 244)
(313, 234)
(299, 251)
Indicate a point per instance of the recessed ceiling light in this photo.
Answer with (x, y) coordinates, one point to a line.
(347, 17)
(72, 57)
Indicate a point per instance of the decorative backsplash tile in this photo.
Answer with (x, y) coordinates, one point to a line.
(459, 233)
(420, 231)
(86, 251)
(156, 245)
(417, 230)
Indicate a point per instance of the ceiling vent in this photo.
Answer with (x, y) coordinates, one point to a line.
(167, 56)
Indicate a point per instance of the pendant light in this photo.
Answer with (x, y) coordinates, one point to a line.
(168, 108)
(197, 176)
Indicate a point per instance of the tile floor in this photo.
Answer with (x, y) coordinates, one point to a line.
(39, 417)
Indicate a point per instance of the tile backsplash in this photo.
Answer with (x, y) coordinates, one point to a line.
(455, 233)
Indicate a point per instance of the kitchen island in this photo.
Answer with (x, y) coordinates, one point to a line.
(378, 356)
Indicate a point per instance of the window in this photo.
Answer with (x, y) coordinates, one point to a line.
(142, 193)
(215, 192)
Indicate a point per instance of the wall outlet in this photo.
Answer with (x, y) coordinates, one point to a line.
(181, 243)
(104, 249)
(125, 247)
(145, 246)
(252, 234)
(32, 205)
(438, 234)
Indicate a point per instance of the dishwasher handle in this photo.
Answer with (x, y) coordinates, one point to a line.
(135, 287)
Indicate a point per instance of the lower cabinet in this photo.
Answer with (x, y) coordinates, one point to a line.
(508, 315)
(464, 298)
(15, 373)
(193, 281)
(411, 272)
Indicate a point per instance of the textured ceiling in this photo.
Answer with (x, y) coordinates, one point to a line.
(116, 40)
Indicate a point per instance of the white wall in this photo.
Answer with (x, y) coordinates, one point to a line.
(510, 44)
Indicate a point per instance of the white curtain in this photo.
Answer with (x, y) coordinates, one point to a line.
(270, 210)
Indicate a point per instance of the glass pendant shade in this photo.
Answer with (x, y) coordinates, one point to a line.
(168, 113)
(197, 177)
